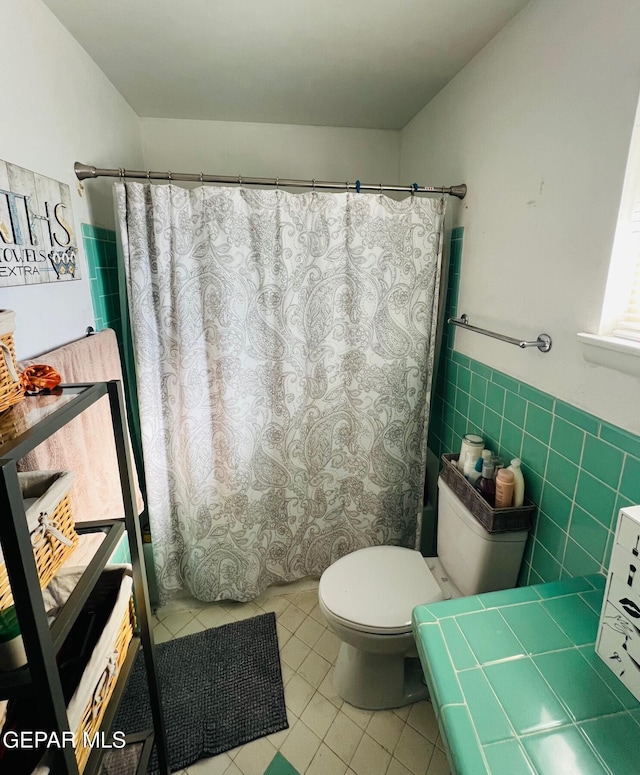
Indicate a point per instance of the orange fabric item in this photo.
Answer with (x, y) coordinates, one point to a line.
(40, 377)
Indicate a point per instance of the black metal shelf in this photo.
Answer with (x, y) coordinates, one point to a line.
(137, 764)
(92, 766)
(145, 755)
(19, 680)
(72, 608)
(72, 399)
(21, 430)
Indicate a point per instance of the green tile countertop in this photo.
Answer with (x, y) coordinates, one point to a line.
(518, 688)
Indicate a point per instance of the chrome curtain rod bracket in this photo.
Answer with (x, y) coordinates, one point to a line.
(543, 342)
(85, 171)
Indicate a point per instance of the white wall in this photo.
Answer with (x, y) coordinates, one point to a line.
(271, 150)
(58, 108)
(538, 126)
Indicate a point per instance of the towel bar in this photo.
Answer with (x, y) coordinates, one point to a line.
(543, 342)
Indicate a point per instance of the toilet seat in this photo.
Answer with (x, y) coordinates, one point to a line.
(375, 590)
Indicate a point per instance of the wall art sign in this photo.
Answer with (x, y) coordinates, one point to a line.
(37, 239)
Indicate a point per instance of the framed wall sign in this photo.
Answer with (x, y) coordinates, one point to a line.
(37, 237)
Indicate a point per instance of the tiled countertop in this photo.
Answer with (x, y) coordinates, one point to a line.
(517, 685)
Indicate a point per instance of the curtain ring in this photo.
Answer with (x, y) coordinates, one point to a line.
(148, 176)
(346, 185)
(169, 176)
(277, 182)
(239, 180)
(380, 189)
(202, 179)
(313, 185)
(121, 174)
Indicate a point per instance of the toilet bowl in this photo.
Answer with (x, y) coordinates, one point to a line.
(367, 598)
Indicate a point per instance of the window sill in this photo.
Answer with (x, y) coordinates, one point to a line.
(612, 352)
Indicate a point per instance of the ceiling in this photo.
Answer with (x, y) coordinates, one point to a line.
(358, 63)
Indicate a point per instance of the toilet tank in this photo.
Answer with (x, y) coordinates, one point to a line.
(475, 560)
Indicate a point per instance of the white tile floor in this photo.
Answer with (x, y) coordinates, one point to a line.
(326, 736)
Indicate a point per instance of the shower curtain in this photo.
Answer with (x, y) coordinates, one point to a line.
(284, 350)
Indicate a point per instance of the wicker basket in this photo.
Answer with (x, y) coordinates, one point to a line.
(11, 390)
(492, 520)
(48, 515)
(95, 709)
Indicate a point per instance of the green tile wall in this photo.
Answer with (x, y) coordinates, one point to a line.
(121, 553)
(578, 469)
(102, 261)
(100, 249)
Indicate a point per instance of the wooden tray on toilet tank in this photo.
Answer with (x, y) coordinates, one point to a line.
(492, 520)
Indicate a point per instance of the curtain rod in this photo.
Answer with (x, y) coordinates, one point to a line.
(84, 171)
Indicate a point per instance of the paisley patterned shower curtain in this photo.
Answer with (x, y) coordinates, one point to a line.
(284, 348)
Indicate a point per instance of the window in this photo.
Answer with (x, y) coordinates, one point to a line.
(629, 322)
(621, 312)
(617, 344)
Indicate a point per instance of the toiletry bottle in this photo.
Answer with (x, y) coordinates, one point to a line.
(497, 463)
(470, 472)
(470, 443)
(518, 482)
(504, 488)
(486, 486)
(485, 457)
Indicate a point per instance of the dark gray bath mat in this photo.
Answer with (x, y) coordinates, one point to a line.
(220, 688)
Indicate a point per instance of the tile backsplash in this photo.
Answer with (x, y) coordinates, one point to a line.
(579, 470)
(102, 261)
(100, 248)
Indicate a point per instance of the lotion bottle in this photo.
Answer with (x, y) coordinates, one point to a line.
(518, 482)
(504, 488)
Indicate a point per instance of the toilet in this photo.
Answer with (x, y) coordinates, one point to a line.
(367, 598)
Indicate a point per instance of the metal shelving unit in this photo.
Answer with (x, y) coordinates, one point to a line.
(40, 678)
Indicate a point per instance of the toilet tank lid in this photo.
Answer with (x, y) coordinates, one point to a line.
(377, 588)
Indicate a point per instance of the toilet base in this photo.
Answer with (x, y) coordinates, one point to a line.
(378, 681)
